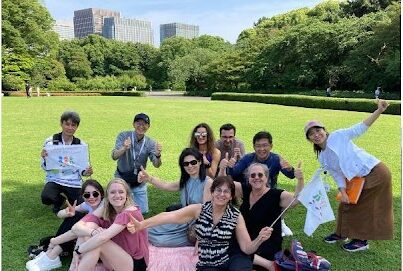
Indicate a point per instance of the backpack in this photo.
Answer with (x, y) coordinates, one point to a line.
(296, 259)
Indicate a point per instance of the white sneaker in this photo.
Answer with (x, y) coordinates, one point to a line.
(285, 230)
(34, 260)
(46, 264)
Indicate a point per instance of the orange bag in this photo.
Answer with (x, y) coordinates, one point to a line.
(353, 189)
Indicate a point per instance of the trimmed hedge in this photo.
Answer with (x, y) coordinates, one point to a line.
(349, 104)
(77, 93)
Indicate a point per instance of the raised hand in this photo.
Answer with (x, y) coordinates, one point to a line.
(224, 162)
(284, 164)
(134, 225)
(127, 143)
(158, 149)
(298, 171)
(382, 105)
(88, 171)
(237, 153)
(71, 209)
(143, 176)
(44, 153)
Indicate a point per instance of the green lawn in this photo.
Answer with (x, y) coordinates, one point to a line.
(27, 122)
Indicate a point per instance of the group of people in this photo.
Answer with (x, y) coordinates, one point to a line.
(213, 175)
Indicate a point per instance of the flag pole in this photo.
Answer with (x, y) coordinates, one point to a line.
(285, 209)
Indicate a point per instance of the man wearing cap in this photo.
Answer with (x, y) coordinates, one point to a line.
(132, 149)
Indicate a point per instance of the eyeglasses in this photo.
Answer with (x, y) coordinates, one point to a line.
(193, 162)
(203, 134)
(87, 195)
(259, 146)
(260, 175)
(219, 191)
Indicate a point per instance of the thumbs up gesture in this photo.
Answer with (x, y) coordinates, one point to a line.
(134, 225)
(298, 171)
(284, 164)
(158, 149)
(143, 176)
(127, 143)
(224, 162)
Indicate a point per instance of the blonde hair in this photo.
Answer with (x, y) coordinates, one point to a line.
(109, 212)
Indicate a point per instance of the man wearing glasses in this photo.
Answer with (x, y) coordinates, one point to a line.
(262, 144)
(132, 149)
(228, 143)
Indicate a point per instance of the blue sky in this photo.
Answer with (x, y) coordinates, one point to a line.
(225, 18)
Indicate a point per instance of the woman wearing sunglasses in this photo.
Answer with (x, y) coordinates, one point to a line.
(202, 138)
(261, 206)
(194, 187)
(93, 193)
(218, 225)
(105, 235)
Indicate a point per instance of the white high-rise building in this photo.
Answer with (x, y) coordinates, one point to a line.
(130, 30)
(178, 30)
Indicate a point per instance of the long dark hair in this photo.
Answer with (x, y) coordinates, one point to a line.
(210, 138)
(316, 148)
(184, 175)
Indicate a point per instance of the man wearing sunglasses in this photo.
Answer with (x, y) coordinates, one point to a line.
(228, 143)
(60, 182)
(132, 150)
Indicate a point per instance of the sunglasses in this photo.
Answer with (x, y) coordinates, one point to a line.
(193, 162)
(87, 195)
(260, 175)
(197, 134)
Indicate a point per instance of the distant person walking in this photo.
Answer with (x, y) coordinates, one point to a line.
(38, 91)
(377, 92)
(329, 92)
(28, 89)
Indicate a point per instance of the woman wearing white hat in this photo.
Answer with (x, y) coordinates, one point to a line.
(372, 216)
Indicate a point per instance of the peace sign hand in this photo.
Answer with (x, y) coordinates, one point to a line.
(71, 209)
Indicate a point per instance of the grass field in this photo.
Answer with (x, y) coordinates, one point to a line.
(27, 122)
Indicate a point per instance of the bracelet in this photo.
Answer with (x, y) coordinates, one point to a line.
(76, 250)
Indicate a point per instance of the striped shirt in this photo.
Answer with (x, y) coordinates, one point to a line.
(215, 240)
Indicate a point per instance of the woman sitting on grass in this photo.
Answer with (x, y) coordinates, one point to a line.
(194, 187)
(218, 226)
(106, 236)
(93, 193)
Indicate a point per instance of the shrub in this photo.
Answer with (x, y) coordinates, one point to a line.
(12, 83)
(349, 104)
(61, 84)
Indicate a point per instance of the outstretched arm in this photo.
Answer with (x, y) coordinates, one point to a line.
(382, 105)
(242, 235)
(145, 177)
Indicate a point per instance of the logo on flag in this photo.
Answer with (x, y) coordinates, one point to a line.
(315, 200)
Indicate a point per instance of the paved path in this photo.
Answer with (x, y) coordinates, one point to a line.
(173, 95)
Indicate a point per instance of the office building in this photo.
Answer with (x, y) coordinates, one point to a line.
(64, 30)
(178, 30)
(129, 30)
(90, 21)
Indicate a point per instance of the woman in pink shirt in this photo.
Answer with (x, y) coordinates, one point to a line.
(107, 237)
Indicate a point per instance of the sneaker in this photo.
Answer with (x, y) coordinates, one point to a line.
(333, 238)
(46, 264)
(285, 230)
(356, 245)
(34, 260)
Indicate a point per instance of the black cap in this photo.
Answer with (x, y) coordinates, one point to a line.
(142, 116)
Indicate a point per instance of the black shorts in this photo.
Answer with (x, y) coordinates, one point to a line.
(139, 265)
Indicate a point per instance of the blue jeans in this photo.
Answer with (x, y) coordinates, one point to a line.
(140, 197)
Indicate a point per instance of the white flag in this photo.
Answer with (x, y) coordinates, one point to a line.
(315, 199)
(64, 157)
